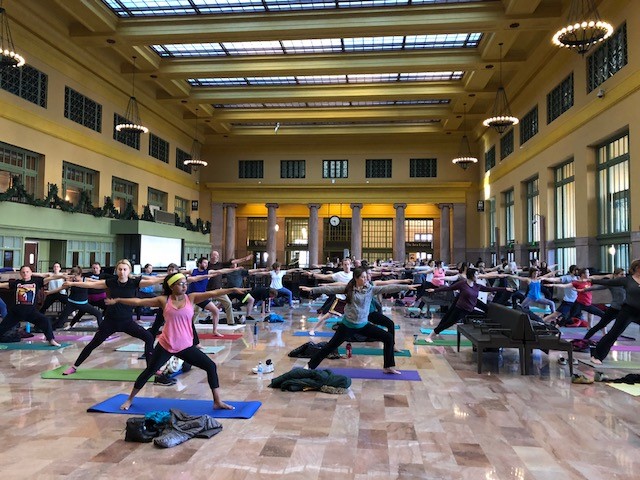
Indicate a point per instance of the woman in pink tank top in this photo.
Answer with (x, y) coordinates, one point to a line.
(177, 336)
(438, 275)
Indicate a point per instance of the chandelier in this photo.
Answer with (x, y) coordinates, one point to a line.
(195, 160)
(132, 123)
(464, 158)
(8, 55)
(501, 118)
(584, 27)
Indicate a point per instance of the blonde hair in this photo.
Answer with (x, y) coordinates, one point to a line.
(125, 262)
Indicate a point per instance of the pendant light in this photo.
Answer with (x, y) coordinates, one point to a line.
(195, 160)
(464, 158)
(501, 118)
(8, 56)
(132, 123)
(584, 27)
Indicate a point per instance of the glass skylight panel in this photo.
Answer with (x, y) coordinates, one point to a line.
(253, 48)
(218, 82)
(362, 44)
(272, 80)
(446, 40)
(334, 104)
(430, 76)
(238, 105)
(319, 45)
(372, 77)
(321, 79)
(190, 50)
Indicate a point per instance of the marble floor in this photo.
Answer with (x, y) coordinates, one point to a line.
(454, 424)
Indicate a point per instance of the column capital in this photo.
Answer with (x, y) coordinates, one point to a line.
(314, 205)
(231, 205)
(399, 205)
(444, 205)
(355, 205)
(271, 205)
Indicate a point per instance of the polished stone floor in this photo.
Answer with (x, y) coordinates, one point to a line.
(454, 424)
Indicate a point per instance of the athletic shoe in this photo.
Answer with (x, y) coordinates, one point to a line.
(250, 318)
(241, 320)
(581, 379)
(562, 361)
(164, 380)
(269, 367)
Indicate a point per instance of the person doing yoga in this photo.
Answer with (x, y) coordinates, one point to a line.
(177, 336)
(534, 295)
(118, 318)
(359, 294)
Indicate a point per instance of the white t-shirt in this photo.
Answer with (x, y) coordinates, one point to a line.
(276, 279)
(342, 277)
(57, 283)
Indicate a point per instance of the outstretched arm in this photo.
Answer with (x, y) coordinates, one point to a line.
(138, 302)
(97, 285)
(198, 297)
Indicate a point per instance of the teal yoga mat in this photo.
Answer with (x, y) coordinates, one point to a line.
(437, 342)
(138, 347)
(31, 346)
(427, 331)
(372, 351)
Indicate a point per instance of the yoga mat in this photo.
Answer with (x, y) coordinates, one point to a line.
(108, 374)
(318, 334)
(372, 351)
(568, 334)
(144, 405)
(376, 374)
(88, 328)
(437, 342)
(328, 320)
(32, 346)
(626, 388)
(427, 331)
(225, 336)
(626, 348)
(75, 338)
(612, 365)
(138, 347)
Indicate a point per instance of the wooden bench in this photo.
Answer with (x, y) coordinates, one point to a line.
(504, 327)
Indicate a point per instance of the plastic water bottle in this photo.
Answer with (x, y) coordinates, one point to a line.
(349, 350)
(255, 329)
(260, 367)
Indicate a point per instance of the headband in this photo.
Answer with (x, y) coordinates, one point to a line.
(174, 278)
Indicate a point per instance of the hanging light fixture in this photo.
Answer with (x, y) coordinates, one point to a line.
(584, 27)
(8, 55)
(132, 123)
(194, 159)
(464, 158)
(502, 118)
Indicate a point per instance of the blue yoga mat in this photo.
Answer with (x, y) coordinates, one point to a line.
(328, 320)
(376, 374)
(318, 334)
(444, 332)
(144, 405)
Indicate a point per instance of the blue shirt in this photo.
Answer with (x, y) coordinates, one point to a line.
(201, 285)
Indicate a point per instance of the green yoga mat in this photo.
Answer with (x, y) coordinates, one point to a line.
(373, 351)
(633, 389)
(108, 374)
(138, 347)
(612, 365)
(442, 343)
(32, 346)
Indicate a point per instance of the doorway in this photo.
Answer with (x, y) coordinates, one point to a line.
(31, 255)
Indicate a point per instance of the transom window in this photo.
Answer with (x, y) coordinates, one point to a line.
(423, 167)
(378, 168)
(529, 125)
(75, 180)
(335, 169)
(123, 192)
(131, 139)
(251, 169)
(419, 230)
(181, 208)
(158, 148)
(560, 99)
(22, 163)
(377, 234)
(607, 59)
(292, 169)
(506, 145)
(490, 158)
(26, 82)
(181, 156)
(156, 199)
(82, 110)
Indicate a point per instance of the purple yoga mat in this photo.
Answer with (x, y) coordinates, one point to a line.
(626, 348)
(578, 336)
(376, 374)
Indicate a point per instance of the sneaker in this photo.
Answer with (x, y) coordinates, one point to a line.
(600, 377)
(164, 380)
(258, 368)
(562, 361)
(269, 367)
(581, 379)
(250, 318)
(242, 320)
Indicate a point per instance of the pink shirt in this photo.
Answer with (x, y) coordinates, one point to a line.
(177, 333)
(438, 277)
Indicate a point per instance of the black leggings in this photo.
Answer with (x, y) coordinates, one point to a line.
(627, 315)
(343, 332)
(31, 315)
(51, 299)
(379, 319)
(577, 308)
(192, 355)
(453, 316)
(609, 315)
(82, 309)
(111, 326)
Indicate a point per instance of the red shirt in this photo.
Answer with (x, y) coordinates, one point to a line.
(583, 297)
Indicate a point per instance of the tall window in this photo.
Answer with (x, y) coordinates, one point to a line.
(423, 167)
(181, 208)
(529, 125)
(607, 59)
(506, 145)
(297, 241)
(560, 99)
(492, 221)
(75, 179)
(419, 237)
(251, 169)
(378, 169)
(509, 212)
(181, 156)
(377, 238)
(257, 232)
(613, 186)
(565, 257)
(490, 158)
(614, 255)
(131, 139)
(123, 192)
(156, 199)
(82, 110)
(565, 193)
(22, 163)
(27, 83)
(292, 169)
(335, 169)
(533, 211)
(158, 148)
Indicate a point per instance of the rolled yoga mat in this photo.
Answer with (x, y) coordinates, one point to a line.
(372, 351)
(31, 346)
(144, 405)
(376, 374)
(138, 347)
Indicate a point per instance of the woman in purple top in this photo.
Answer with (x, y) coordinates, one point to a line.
(467, 299)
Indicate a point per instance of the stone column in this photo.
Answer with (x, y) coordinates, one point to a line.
(271, 232)
(313, 233)
(217, 226)
(399, 240)
(230, 232)
(445, 234)
(460, 232)
(356, 230)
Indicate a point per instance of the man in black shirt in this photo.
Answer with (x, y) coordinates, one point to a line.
(216, 282)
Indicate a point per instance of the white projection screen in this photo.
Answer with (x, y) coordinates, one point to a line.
(160, 251)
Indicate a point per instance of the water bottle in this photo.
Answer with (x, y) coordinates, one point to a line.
(260, 367)
(255, 329)
(349, 350)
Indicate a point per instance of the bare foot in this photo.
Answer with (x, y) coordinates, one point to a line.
(126, 405)
(53, 343)
(223, 406)
(218, 334)
(392, 370)
(428, 339)
(596, 361)
(397, 350)
(312, 333)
